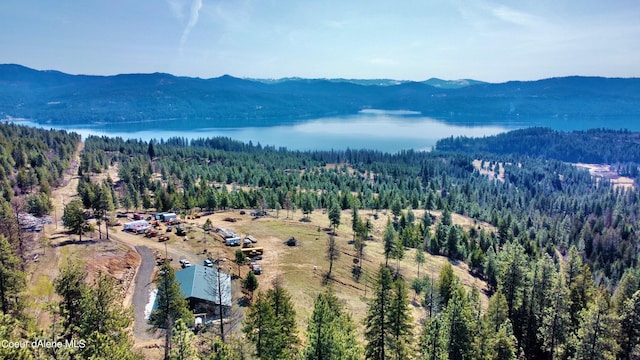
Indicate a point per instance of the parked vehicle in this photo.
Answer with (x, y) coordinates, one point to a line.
(256, 268)
(208, 263)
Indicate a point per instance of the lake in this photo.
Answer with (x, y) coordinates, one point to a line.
(387, 131)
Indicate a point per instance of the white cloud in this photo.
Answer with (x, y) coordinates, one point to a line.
(196, 5)
(514, 16)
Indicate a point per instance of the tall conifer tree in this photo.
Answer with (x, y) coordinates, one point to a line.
(377, 332)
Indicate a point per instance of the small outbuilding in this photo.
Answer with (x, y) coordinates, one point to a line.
(166, 217)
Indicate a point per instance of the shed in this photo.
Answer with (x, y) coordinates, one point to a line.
(166, 217)
(158, 216)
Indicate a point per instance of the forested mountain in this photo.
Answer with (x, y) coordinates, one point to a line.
(597, 146)
(187, 103)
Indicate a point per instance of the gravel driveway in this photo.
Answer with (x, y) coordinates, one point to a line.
(141, 293)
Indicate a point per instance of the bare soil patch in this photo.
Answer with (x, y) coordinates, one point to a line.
(605, 171)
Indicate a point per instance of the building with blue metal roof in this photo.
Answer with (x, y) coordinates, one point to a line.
(199, 285)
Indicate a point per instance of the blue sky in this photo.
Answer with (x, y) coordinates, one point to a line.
(412, 39)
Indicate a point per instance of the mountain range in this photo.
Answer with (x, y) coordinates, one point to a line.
(57, 98)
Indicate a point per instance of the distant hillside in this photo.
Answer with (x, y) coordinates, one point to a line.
(452, 84)
(592, 146)
(367, 82)
(179, 102)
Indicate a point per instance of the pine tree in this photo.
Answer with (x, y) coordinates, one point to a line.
(331, 333)
(446, 217)
(579, 280)
(250, 283)
(555, 323)
(270, 324)
(260, 327)
(502, 344)
(513, 280)
(71, 287)
(182, 342)
(400, 322)
(627, 286)
(356, 224)
(458, 322)
(240, 260)
(630, 328)
(389, 237)
(222, 351)
(334, 216)
(377, 331)
(12, 279)
(93, 314)
(433, 344)
(543, 277)
(104, 320)
(491, 269)
(597, 333)
(447, 283)
(151, 150)
(73, 217)
(497, 311)
(285, 315)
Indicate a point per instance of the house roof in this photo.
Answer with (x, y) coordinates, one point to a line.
(201, 282)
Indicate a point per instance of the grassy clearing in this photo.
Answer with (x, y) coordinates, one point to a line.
(295, 265)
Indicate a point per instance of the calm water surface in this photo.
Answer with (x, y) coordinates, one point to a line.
(379, 130)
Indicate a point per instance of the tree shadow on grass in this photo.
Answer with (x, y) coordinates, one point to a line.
(75, 242)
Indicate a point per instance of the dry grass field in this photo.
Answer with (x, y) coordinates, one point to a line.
(303, 267)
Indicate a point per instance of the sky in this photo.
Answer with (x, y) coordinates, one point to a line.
(493, 41)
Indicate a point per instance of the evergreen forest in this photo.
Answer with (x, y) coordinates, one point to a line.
(561, 265)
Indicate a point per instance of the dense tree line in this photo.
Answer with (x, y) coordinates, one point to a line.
(33, 158)
(595, 146)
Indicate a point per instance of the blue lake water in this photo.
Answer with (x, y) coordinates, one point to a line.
(382, 130)
(379, 130)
